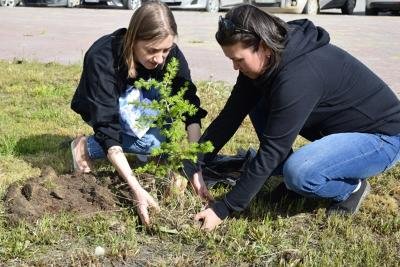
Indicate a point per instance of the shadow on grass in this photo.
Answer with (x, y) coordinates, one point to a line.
(46, 150)
(287, 205)
(280, 203)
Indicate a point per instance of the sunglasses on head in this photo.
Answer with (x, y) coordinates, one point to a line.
(228, 28)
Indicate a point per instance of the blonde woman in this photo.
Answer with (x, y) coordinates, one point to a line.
(111, 66)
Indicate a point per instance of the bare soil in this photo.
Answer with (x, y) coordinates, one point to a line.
(82, 194)
(86, 195)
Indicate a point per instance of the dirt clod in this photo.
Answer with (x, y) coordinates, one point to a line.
(52, 194)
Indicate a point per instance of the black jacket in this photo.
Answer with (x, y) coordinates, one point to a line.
(104, 78)
(318, 89)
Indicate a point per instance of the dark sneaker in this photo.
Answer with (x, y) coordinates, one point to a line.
(352, 204)
(227, 169)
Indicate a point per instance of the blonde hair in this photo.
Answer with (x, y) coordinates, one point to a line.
(152, 21)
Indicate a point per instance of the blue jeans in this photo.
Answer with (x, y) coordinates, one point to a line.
(130, 144)
(332, 166)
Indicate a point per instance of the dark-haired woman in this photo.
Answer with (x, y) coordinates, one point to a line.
(292, 82)
(111, 66)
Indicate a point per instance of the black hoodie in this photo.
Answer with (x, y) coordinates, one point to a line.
(104, 78)
(318, 89)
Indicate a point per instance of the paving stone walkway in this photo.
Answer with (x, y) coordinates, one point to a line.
(63, 35)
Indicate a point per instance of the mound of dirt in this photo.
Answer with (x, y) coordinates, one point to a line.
(86, 194)
(51, 194)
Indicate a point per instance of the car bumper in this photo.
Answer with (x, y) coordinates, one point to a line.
(117, 3)
(45, 2)
(331, 4)
(383, 5)
(184, 4)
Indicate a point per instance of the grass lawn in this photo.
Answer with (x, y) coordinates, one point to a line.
(36, 126)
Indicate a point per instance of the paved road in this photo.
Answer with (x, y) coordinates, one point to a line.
(63, 35)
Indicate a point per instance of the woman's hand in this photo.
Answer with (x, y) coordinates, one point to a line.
(144, 202)
(209, 218)
(193, 131)
(200, 187)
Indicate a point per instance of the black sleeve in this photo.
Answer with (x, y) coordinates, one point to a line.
(224, 126)
(239, 104)
(290, 106)
(102, 98)
(182, 78)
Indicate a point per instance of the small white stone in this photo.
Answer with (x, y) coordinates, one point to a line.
(99, 251)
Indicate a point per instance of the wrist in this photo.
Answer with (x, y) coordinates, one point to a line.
(221, 209)
(190, 168)
(133, 182)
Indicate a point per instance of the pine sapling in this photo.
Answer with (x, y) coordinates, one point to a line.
(170, 111)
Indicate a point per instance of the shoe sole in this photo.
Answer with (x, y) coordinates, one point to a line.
(334, 211)
(363, 196)
(74, 164)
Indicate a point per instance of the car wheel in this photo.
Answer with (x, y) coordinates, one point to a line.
(212, 6)
(311, 7)
(371, 11)
(348, 7)
(73, 3)
(10, 3)
(132, 4)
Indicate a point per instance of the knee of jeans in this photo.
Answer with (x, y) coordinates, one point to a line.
(302, 177)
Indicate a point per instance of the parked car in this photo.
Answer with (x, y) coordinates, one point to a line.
(311, 7)
(66, 3)
(10, 3)
(129, 4)
(373, 7)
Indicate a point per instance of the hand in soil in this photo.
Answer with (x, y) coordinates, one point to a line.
(209, 219)
(200, 187)
(144, 202)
